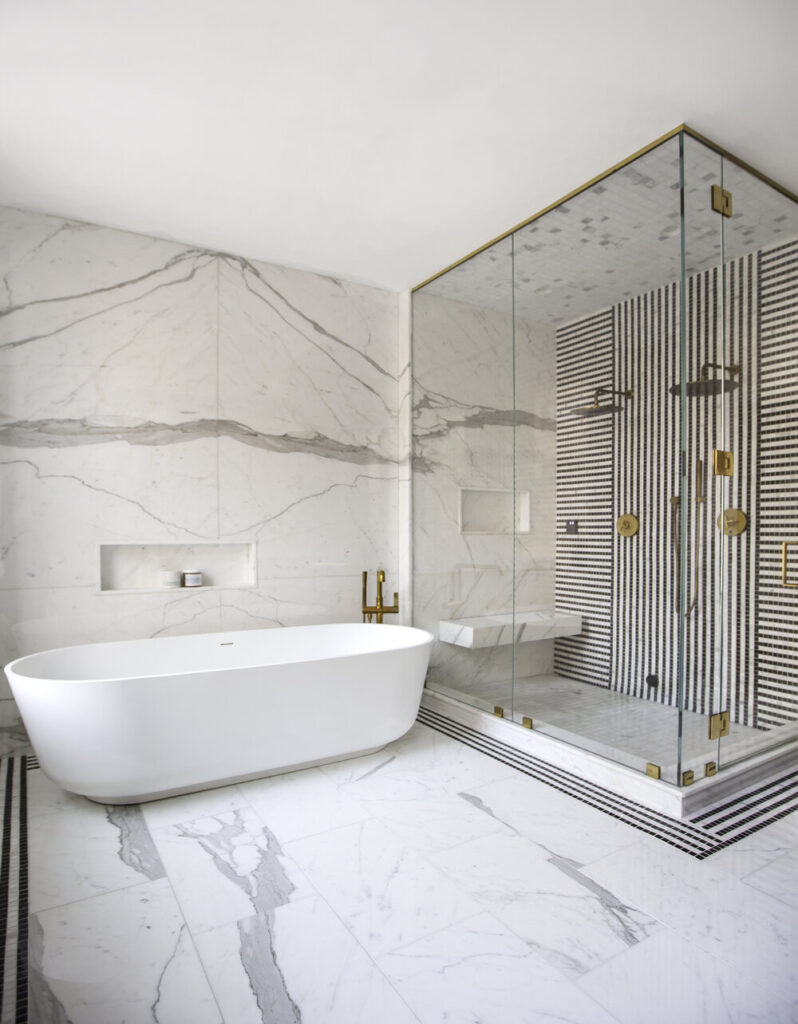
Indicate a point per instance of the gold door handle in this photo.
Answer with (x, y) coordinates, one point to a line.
(784, 545)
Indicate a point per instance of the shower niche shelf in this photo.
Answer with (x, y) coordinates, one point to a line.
(141, 568)
(498, 630)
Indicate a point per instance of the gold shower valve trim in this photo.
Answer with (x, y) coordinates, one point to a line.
(732, 522)
(627, 525)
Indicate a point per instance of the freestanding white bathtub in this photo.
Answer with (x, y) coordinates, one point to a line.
(141, 719)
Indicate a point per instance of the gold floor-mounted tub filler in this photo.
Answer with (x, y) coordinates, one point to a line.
(380, 608)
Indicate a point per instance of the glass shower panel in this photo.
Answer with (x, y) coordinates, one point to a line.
(597, 319)
(700, 394)
(464, 508)
(757, 514)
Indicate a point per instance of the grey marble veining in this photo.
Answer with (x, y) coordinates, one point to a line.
(136, 848)
(267, 885)
(44, 1006)
(174, 272)
(266, 979)
(65, 433)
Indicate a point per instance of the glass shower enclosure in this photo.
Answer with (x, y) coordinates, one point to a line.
(605, 466)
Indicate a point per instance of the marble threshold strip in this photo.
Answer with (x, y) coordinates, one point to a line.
(14, 892)
(706, 833)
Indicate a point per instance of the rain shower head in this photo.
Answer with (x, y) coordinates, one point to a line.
(599, 410)
(708, 387)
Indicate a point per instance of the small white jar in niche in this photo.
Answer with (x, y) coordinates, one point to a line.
(192, 579)
(171, 578)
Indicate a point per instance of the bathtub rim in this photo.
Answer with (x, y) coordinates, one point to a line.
(423, 637)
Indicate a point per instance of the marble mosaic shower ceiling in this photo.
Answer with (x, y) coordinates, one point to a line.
(626, 587)
(151, 393)
(619, 239)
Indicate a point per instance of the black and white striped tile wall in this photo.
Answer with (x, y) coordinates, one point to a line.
(777, 505)
(627, 588)
(584, 494)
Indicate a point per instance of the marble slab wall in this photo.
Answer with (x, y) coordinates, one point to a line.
(153, 393)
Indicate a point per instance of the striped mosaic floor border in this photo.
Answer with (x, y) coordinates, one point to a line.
(14, 892)
(701, 836)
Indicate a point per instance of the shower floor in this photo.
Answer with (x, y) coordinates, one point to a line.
(622, 728)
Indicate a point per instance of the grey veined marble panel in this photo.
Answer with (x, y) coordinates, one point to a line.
(154, 393)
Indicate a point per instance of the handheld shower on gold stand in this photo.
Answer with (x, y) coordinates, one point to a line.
(380, 608)
(699, 528)
(700, 501)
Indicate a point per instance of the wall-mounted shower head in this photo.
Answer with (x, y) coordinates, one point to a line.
(706, 386)
(597, 409)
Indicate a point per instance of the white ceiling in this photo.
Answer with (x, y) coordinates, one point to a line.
(377, 140)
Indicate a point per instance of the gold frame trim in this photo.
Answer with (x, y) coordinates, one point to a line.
(605, 174)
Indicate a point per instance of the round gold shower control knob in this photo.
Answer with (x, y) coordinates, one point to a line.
(732, 521)
(627, 525)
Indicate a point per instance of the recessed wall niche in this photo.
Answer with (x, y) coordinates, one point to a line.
(493, 512)
(126, 568)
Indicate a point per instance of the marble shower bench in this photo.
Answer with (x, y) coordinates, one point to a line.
(498, 629)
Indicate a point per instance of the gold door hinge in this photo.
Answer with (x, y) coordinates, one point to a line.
(722, 462)
(721, 201)
(653, 770)
(526, 722)
(498, 711)
(688, 778)
(719, 725)
(784, 545)
(711, 768)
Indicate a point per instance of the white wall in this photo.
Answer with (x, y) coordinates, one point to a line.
(153, 393)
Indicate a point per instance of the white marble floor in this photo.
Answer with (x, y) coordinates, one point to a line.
(424, 883)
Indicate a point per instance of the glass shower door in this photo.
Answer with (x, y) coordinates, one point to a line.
(757, 513)
(740, 424)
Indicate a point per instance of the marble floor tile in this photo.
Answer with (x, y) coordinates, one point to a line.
(176, 809)
(385, 893)
(478, 970)
(86, 849)
(13, 737)
(226, 867)
(297, 963)
(568, 920)
(778, 878)
(421, 763)
(748, 929)
(552, 819)
(121, 957)
(666, 979)
(301, 804)
(47, 797)
(423, 883)
(432, 823)
(755, 851)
